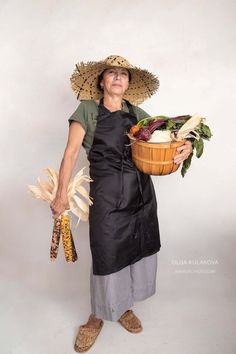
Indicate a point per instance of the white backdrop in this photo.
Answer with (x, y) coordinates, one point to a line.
(190, 45)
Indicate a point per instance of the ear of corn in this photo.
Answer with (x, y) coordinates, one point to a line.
(67, 239)
(61, 229)
(189, 127)
(74, 254)
(55, 239)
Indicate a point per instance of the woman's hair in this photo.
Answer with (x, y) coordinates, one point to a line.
(100, 77)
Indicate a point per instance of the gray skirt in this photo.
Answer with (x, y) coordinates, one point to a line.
(113, 294)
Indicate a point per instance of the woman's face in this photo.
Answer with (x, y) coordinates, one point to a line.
(115, 81)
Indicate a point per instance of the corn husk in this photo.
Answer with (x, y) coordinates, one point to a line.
(186, 130)
(46, 190)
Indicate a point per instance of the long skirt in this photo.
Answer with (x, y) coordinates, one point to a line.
(113, 294)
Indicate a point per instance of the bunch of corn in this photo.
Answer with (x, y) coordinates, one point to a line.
(46, 190)
(62, 229)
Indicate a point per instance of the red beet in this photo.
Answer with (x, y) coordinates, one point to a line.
(143, 134)
(154, 125)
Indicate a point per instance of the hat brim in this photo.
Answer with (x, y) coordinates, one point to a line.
(84, 81)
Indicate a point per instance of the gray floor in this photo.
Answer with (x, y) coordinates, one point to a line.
(192, 312)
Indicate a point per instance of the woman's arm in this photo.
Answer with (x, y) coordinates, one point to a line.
(75, 139)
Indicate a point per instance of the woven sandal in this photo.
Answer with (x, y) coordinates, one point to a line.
(130, 322)
(86, 337)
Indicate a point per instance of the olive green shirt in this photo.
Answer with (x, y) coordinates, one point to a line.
(86, 114)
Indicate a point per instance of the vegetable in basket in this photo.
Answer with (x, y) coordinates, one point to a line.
(163, 129)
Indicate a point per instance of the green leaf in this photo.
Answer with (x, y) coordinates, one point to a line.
(199, 146)
(170, 124)
(186, 164)
(144, 121)
(206, 130)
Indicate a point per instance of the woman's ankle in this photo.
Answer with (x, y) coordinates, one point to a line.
(93, 318)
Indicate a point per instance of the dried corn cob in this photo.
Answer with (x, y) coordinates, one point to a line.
(46, 190)
(67, 239)
(55, 239)
(74, 254)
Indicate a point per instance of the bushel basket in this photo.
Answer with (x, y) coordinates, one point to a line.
(155, 158)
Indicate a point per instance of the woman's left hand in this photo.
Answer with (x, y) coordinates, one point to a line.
(185, 150)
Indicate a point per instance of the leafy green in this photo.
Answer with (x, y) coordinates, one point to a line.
(170, 124)
(161, 117)
(144, 121)
(199, 146)
(186, 164)
(204, 131)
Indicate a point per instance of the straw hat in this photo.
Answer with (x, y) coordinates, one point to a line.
(84, 80)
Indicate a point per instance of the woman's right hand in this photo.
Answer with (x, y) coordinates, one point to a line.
(59, 205)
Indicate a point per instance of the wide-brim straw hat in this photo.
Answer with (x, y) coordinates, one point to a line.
(84, 80)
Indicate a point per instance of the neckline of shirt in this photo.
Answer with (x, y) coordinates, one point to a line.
(124, 105)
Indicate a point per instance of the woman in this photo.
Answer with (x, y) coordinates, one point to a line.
(123, 223)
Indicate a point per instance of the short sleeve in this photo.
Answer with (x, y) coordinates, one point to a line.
(80, 115)
(140, 113)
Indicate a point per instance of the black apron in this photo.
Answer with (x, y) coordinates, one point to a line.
(123, 223)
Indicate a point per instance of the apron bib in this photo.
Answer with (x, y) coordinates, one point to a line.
(123, 223)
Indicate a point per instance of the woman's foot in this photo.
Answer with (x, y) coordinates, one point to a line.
(130, 322)
(93, 322)
(87, 334)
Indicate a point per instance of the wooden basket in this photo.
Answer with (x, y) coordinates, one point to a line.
(155, 158)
